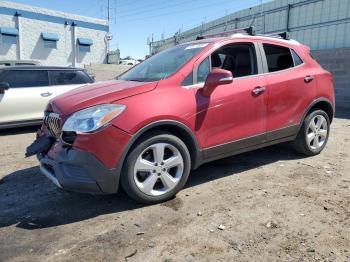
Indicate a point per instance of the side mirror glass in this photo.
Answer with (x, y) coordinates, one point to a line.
(3, 87)
(215, 78)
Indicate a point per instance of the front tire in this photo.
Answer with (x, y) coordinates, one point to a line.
(156, 168)
(313, 134)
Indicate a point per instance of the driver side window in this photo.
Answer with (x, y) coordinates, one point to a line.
(203, 71)
(239, 58)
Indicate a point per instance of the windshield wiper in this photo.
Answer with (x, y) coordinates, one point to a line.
(135, 80)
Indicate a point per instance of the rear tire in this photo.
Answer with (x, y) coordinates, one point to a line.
(156, 168)
(313, 134)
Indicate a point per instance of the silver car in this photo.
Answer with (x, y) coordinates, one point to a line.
(26, 90)
(19, 63)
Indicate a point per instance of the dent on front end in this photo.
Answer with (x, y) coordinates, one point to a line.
(84, 162)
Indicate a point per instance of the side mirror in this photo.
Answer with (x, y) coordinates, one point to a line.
(215, 78)
(3, 87)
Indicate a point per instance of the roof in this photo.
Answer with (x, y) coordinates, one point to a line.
(19, 61)
(49, 12)
(52, 16)
(266, 37)
(39, 68)
(247, 37)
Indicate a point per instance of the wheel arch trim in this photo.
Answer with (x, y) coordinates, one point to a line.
(315, 102)
(165, 123)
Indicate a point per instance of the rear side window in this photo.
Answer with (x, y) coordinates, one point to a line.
(296, 58)
(69, 77)
(26, 78)
(278, 57)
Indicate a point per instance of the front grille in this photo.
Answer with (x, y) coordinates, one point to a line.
(53, 123)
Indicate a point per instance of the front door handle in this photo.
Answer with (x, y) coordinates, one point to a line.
(46, 94)
(258, 90)
(308, 79)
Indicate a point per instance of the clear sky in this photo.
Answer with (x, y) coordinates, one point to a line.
(133, 21)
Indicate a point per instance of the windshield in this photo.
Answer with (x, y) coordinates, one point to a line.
(164, 64)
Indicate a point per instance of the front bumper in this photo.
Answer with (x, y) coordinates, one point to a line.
(79, 171)
(91, 165)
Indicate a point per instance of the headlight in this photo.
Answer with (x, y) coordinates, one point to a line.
(92, 118)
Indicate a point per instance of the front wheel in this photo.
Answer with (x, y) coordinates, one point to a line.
(156, 169)
(313, 134)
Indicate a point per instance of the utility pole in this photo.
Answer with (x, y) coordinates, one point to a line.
(109, 36)
(108, 8)
(262, 17)
(150, 43)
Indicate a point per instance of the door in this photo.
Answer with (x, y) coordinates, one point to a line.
(65, 80)
(233, 117)
(27, 96)
(290, 88)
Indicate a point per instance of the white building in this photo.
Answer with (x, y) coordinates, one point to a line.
(51, 37)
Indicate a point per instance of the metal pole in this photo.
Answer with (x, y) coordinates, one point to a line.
(151, 45)
(107, 41)
(108, 11)
(288, 15)
(74, 46)
(19, 38)
(262, 17)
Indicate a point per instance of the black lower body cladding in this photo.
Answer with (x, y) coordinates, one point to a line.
(79, 171)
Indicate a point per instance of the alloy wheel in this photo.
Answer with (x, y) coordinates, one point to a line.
(317, 132)
(158, 169)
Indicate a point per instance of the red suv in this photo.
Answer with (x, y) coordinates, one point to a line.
(188, 105)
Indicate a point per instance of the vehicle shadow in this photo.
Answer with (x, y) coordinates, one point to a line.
(30, 201)
(19, 130)
(240, 163)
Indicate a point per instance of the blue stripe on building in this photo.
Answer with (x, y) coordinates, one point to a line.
(52, 19)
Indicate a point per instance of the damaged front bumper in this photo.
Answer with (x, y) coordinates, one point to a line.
(79, 171)
(92, 163)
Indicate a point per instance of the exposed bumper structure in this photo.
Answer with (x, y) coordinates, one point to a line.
(91, 165)
(79, 171)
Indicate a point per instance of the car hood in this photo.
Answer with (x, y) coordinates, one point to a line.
(99, 93)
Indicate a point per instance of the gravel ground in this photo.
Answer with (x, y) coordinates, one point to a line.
(268, 205)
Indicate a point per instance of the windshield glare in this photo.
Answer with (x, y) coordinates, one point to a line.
(164, 64)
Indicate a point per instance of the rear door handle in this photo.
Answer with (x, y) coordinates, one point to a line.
(258, 90)
(46, 94)
(308, 79)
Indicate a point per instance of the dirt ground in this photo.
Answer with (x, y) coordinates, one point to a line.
(267, 205)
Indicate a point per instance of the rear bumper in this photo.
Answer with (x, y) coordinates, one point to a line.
(79, 171)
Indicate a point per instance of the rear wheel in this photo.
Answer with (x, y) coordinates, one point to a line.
(313, 134)
(156, 169)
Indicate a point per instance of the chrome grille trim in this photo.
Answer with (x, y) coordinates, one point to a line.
(53, 124)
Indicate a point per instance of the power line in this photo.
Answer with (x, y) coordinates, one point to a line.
(214, 17)
(90, 7)
(153, 9)
(170, 13)
(142, 7)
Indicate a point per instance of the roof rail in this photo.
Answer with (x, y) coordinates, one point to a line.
(284, 35)
(249, 31)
